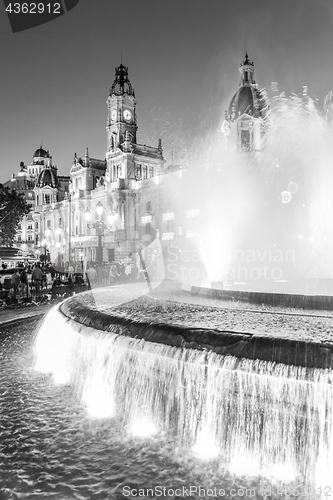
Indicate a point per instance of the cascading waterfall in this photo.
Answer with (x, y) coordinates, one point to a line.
(260, 418)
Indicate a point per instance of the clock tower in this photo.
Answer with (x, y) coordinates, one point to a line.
(121, 118)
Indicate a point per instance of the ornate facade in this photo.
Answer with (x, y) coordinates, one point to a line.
(40, 184)
(245, 120)
(123, 183)
(121, 193)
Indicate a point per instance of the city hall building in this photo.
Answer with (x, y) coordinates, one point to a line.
(107, 209)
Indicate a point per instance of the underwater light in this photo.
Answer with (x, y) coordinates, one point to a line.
(243, 464)
(61, 374)
(205, 447)
(143, 428)
(282, 472)
(98, 404)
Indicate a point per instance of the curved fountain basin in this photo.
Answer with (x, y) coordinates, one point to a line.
(199, 386)
(318, 301)
(90, 309)
(275, 418)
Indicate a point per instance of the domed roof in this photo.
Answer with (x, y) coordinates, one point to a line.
(40, 153)
(47, 177)
(248, 99)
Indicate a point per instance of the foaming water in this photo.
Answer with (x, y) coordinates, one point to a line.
(256, 418)
(51, 448)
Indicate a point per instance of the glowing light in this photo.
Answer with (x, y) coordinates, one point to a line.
(189, 234)
(311, 239)
(168, 216)
(167, 236)
(300, 236)
(292, 187)
(243, 464)
(146, 219)
(61, 375)
(194, 212)
(98, 403)
(53, 347)
(286, 196)
(283, 472)
(143, 428)
(205, 446)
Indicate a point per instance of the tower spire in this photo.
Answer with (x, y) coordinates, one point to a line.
(246, 69)
(122, 84)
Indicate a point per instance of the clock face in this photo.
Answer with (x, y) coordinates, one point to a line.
(114, 114)
(127, 114)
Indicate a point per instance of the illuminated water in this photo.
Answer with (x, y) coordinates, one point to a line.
(260, 221)
(250, 418)
(51, 448)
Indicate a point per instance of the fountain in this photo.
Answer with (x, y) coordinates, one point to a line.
(261, 223)
(258, 405)
(261, 418)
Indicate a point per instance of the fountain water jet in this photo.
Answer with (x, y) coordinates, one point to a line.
(262, 222)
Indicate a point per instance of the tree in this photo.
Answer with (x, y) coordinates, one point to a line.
(13, 206)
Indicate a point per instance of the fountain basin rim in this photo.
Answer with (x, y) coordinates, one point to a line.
(241, 345)
(291, 300)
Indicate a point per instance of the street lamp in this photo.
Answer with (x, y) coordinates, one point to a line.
(81, 259)
(99, 225)
(45, 245)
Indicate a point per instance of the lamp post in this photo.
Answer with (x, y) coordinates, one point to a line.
(100, 226)
(81, 259)
(46, 244)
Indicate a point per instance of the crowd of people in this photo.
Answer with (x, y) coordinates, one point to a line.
(33, 279)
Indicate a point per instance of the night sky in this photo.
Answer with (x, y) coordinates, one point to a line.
(183, 58)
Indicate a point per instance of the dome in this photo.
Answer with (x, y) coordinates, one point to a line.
(40, 153)
(248, 99)
(47, 178)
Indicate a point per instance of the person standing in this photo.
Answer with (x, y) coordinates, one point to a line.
(37, 276)
(91, 275)
(15, 281)
(24, 283)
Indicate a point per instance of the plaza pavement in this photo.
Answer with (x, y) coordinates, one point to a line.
(8, 316)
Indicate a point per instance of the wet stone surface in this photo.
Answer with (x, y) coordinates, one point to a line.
(295, 325)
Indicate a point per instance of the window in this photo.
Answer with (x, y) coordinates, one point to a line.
(138, 172)
(148, 206)
(48, 224)
(60, 222)
(30, 226)
(168, 216)
(111, 254)
(29, 237)
(47, 199)
(194, 212)
(245, 140)
(151, 172)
